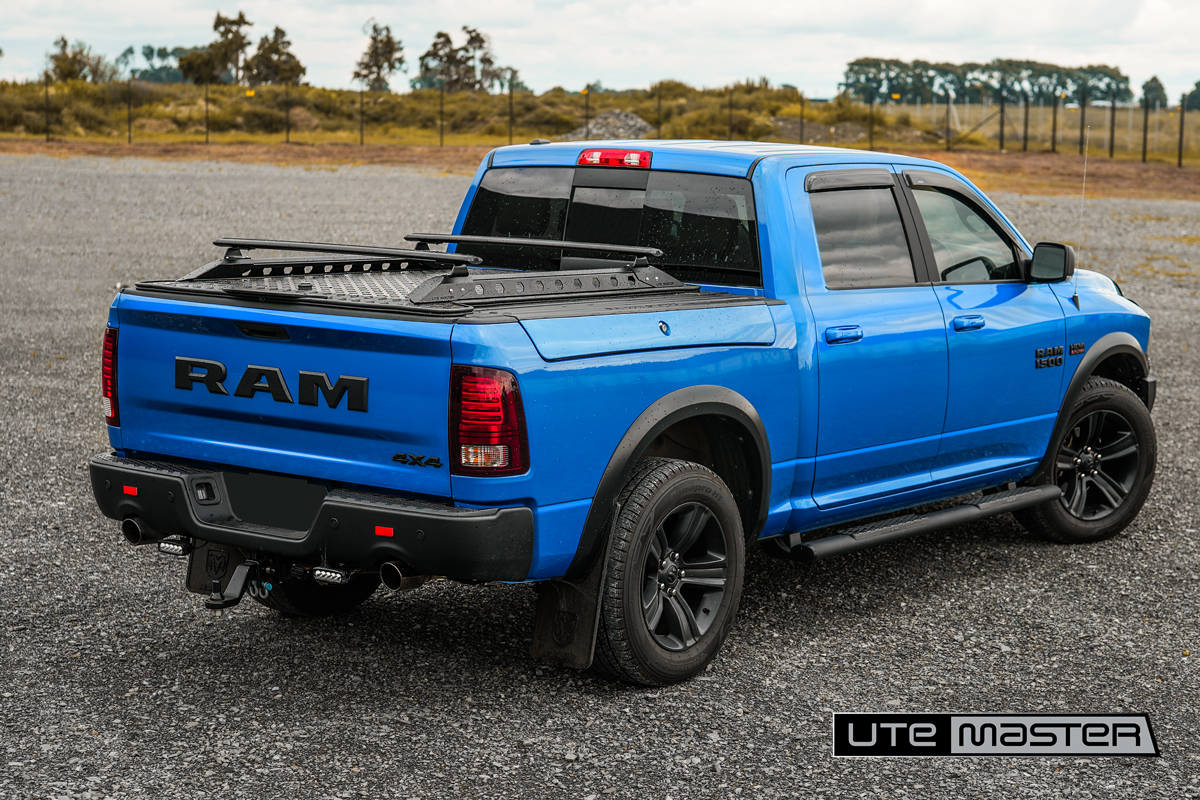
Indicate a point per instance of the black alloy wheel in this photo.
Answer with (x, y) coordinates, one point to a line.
(673, 575)
(685, 574)
(1104, 463)
(1097, 465)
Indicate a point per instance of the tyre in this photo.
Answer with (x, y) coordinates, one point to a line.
(302, 598)
(674, 576)
(1104, 463)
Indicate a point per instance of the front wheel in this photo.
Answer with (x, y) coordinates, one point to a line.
(1104, 463)
(674, 579)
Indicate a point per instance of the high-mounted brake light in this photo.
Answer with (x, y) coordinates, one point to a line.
(615, 158)
(108, 378)
(487, 423)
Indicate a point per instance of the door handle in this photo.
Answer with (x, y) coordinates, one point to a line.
(971, 322)
(843, 334)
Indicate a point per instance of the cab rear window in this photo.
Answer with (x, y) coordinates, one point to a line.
(704, 224)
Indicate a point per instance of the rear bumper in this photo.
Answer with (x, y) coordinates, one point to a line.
(470, 544)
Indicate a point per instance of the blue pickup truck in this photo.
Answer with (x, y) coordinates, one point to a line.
(628, 362)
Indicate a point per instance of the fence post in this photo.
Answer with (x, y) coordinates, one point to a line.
(1112, 123)
(1025, 123)
(871, 123)
(287, 112)
(587, 114)
(47, 81)
(1145, 127)
(801, 119)
(731, 114)
(206, 113)
(442, 114)
(361, 123)
(1001, 120)
(660, 109)
(1082, 115)
(1054, 125)
(129, 109)
(1182, 115)
(510, 106)
(948, 122)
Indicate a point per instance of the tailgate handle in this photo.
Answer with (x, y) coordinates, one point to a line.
(258, 330)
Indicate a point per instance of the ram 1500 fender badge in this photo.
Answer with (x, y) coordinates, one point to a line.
(212, 374)
(1048, 357)
(417, 461)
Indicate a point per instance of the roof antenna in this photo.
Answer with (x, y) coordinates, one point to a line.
(1087, 140)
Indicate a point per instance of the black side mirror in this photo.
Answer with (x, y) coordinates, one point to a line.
(1052, 262)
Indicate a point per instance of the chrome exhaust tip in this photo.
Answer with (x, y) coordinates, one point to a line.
(393, 578)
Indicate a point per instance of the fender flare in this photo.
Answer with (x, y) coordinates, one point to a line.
(682, 404)
(1112, 344)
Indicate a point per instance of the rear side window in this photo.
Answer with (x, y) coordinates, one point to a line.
(861, 239)
(704, 224)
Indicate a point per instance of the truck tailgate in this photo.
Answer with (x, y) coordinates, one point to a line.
(264, 415)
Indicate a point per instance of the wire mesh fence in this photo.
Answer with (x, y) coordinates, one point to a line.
(184, 113)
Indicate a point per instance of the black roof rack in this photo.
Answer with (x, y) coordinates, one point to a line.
(555, 244)
(235, 264)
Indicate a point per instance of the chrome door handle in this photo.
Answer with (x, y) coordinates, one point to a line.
(971, 322)
(843, 334)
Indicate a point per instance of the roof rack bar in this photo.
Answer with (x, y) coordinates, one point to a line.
(555, 244)
(237, 245)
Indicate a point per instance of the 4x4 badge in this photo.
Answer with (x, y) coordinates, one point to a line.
(417, 461)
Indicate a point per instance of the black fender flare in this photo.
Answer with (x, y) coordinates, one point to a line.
(692, 401)
(1112, 344)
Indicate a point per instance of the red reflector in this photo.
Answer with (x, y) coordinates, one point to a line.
(131, 490)
(487, 423)
(382, 531)
(108, 377)
(615, 158)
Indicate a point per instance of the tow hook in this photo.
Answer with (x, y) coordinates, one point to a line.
(234, 591)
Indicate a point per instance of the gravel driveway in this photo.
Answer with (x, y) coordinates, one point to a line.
(116, 682)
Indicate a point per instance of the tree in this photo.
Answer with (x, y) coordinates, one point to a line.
(274, 61)
(203, 65)
(231, 42)
(1193, 98)
(383, 57)
(469, 68)
(77, 62)
(1153, 94)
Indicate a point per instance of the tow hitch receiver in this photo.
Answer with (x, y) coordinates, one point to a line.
(232, 594)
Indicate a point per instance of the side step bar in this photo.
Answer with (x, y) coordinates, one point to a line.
(895, 528)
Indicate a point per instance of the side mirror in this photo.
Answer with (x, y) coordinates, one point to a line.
(1052, 262)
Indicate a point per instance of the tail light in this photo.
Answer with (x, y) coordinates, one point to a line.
(108, 378)
(487, 423)
(615, 158)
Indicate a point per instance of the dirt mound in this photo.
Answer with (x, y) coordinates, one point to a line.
(611, 125)
(155, 125)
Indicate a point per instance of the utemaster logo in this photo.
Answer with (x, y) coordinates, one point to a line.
(993, 735)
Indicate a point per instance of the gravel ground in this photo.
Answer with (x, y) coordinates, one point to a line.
(116, 682)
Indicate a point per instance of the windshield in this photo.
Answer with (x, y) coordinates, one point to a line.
(704, 224)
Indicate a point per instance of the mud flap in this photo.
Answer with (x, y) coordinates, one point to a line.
(568, 615)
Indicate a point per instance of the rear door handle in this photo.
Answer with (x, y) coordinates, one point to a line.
(971, 322)
(843, 334)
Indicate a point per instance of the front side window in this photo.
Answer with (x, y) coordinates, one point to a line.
(704, 224)
(966, 247)
(861, 239)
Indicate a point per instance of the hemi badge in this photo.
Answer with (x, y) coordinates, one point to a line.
(131, 490)
(382, 531)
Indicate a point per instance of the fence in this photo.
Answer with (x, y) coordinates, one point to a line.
(183, 113)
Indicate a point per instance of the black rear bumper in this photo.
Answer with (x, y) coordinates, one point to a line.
(350, 528)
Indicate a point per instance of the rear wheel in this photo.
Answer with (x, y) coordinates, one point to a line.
(1104, 463)
(673, 582)
(303, 598)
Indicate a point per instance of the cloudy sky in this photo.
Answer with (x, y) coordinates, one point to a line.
(632, 44)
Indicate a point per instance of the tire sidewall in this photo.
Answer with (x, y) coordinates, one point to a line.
(658, 663)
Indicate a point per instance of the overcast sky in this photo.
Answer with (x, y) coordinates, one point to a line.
(632, 44)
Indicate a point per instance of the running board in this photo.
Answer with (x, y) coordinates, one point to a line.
(895, 528)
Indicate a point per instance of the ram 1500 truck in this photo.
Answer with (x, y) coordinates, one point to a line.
(630, 361)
